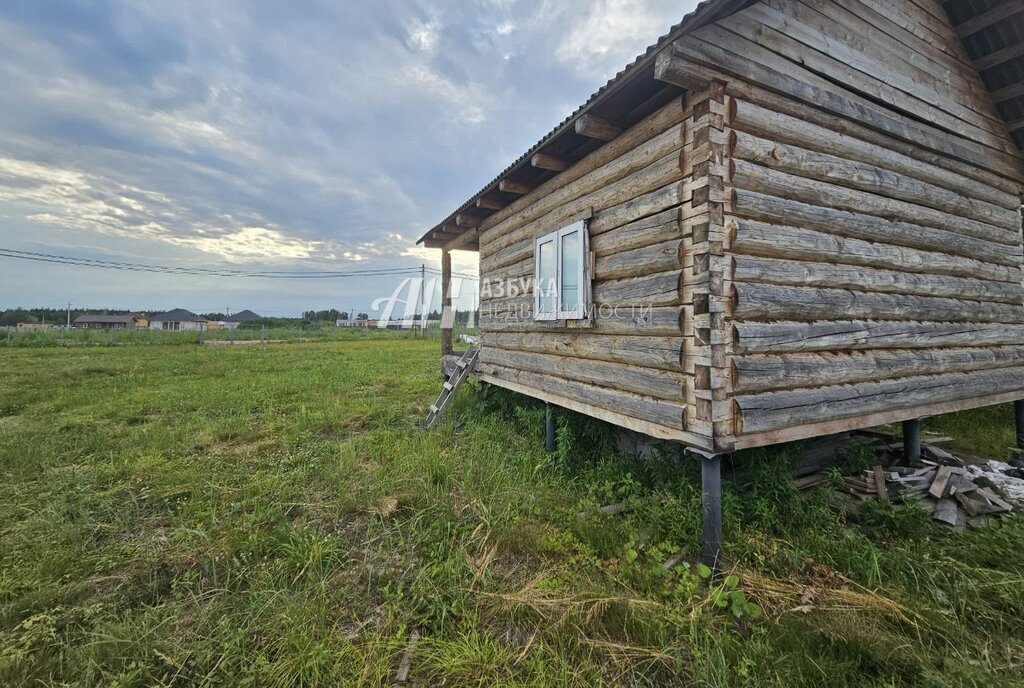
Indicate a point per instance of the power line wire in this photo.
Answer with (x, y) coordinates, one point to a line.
(199, 271)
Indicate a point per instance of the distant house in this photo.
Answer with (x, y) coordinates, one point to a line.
(34, 327)
(126, 321)
(178, 319)
(232, 322)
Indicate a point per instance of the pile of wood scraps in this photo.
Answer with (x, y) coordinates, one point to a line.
(955, 492)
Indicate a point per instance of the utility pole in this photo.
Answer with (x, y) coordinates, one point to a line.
(69, 315)
(420, 306)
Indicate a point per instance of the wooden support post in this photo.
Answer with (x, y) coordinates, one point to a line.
(1018, 416)
(711, 509)
(912, 439)
(447, 315)
(550, 442)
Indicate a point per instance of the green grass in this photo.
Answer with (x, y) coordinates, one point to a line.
(274, 516)
(106, 338)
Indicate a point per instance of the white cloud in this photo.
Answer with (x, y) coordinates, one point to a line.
(424, 36)
(614, 32)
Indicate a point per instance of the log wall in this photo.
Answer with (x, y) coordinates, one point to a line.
(824, 234)
(870, 260)
(625, 365)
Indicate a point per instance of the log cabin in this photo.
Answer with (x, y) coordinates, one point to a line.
(787, 218)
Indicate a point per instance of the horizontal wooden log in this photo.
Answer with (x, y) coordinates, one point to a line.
(808, 370)
(514, 187)
(838, 276)
(551, 193)
(667, 196)
(794, 130)
(554, 163)
(635, 189)
(923, 66)
(659, 384)
(664, 353)
(646, 231)
(774, 410)
(772, 302)
(552, 396)
(804, 109)
(617, 181)
(644, 321)
(470, 221)
(723, 50)
(864, 335)
(659, 411)
(825, 167)
(642, 261)
(779, 241)
(857, 225)
(488, 203)
(660, 289)
(753, 177)
(595, 127)
(789, 42)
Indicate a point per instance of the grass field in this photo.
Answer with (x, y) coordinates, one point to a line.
(274, 516)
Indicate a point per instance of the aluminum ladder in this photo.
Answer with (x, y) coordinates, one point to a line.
(463, 367)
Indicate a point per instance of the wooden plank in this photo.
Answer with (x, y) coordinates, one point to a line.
(880, 489)
(938, 487)
(947, 511)
(1001, 12)
(998, 57)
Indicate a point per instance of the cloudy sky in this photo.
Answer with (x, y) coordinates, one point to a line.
(274, 135)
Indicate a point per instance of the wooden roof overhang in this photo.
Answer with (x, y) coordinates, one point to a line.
(630, 96)
(992, 32)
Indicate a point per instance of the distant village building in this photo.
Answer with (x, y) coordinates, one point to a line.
(361, 323)
(177, 320)
(233, 321)
(34, 327)
(126, 321)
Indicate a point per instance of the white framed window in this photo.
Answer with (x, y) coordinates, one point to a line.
(561, 275)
